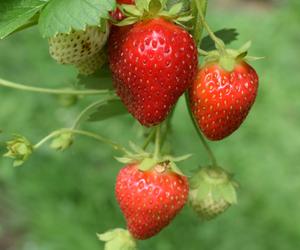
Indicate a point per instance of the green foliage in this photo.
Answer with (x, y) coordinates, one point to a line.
(17, 13)
(60, 200)
(227, 35)
(55, 16)
(101, 79)
(107, 110)
(61, 16)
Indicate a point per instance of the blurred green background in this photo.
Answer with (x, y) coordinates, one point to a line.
(58, 201)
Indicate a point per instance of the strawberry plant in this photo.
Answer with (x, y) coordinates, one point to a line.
(139, 57)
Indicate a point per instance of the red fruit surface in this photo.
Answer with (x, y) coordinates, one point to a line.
(153, 62)
(221, 100)
(150, 200)
(117, 14)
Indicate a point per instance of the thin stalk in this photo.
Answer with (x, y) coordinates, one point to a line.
(13, 85)
(157, 143)
(87, 111)
(198, 28)
(168, 127)
(219, 43)
(205, 144)
(149, 139)
(97, 137)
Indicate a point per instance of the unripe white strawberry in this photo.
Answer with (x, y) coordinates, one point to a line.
(211, 192)
(77, 46)
(91, 64)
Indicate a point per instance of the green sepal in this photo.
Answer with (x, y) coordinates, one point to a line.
(176, 159)
(229, 193)
(184, 18)
(124, 160)
(213, 181)
(127, 21)
(228, 63)
(155, 6)
(175, 169)
(62, 142)
(136, 148)
(19, 149)
(147, 9)
(131, 10)
(147, 164)
(254, 58)
(118, 239)
(142, 5)
(176, 9)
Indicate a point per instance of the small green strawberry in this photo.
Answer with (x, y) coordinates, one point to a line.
(78, 47)
(211, 192)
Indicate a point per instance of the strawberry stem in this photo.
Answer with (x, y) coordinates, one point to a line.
(205, 144)
(157, 143)
(198, 27)
(100, 138)
(218, 42)
(13, 85)
(149, 138)
(84, 114)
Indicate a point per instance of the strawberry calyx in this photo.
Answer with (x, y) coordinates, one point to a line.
(118, 239)
(213, 182)
(149, 161)
(149, 9)
(228, 58)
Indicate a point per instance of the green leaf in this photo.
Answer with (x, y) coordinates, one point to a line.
(107, 110)
(227, 35)
(61, 16)
(101, 79)
(17, 13)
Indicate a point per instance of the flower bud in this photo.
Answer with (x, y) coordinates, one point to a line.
(18, 149)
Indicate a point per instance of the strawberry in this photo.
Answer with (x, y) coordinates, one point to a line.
(221, 99)
(150, 199)
(212, 192)
(91, 64)
(117, 14)
(152, 62)
(78, 47)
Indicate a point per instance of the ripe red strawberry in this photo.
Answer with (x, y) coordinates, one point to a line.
(220, 100)
(117, 14)
(153, 62)
(150, 200)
